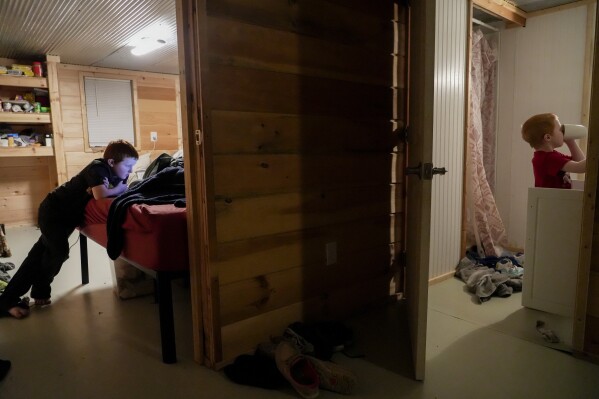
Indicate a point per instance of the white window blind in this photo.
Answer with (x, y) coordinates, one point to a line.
(109, 106)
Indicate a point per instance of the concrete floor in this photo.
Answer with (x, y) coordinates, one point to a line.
(90, 344)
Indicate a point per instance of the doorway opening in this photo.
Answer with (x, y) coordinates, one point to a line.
(522, 75)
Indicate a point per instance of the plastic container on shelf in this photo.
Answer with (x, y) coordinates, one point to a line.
(48, 140)
(37, 69)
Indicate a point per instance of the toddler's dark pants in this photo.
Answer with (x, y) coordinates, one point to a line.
(43, 261)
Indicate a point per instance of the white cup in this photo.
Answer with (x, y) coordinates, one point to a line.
(3, 142)
(573, 132)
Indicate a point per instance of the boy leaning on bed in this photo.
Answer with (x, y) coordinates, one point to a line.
(59, 214)
(552, 169)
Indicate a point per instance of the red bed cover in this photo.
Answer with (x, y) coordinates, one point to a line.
(155, 235)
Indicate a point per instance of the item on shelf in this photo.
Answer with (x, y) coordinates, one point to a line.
(16, 108)
(4, 142)
(29, 97)
(37, 69)
(3, 70)
(14, 72)
(7, 106)
(27, 107)
(26, 69)
(1, 108)
(48, 140)
(37, 108)
(11, 140)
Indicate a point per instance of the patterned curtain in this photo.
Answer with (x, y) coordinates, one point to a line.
(484, 226)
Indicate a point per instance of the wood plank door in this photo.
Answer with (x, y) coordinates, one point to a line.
(419, 151)
(294, 157)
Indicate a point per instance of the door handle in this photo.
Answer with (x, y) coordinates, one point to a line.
(425, 171)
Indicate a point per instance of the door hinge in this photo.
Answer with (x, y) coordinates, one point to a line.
(402, 258)
(402, 134)
(198, 135)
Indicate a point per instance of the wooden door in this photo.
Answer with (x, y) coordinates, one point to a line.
(294, 155)
(418, 213)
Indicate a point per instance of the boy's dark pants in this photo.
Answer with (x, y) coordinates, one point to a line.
(43, 261)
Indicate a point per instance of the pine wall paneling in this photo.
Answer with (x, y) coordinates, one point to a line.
(158, 109)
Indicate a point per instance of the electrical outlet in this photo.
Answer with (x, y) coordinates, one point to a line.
(153, 136)
(331, 249)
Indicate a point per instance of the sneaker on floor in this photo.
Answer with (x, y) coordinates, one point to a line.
(297, 369)
(300, 342)
(334, 377)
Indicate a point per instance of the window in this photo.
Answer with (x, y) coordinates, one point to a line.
(109, 110)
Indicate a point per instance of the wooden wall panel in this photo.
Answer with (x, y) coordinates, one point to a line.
(275, 173)
(282, 213)
(250, 297)
(24, 182)
(357, 25)
(158, 110)
(242, 336)
(283, 51)
(248, 259)
(297, 105)
(245, 89)
(252, 132)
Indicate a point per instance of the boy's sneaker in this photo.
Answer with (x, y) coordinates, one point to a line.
(300, 342)
(334, 377)
(297, 369)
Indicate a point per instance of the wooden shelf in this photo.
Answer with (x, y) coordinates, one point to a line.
(21, 117)
(29, 151)
(23, 81)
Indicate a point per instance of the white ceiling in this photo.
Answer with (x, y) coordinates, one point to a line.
(88, 32)
(97, 32)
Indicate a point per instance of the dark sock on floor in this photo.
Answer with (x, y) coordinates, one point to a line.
(4, 367)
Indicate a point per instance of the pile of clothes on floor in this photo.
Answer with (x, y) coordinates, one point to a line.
(4, 276)
(491, 276)
(301, 357)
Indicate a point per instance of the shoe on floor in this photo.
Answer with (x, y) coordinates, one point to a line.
(297, 369)
(333, 377)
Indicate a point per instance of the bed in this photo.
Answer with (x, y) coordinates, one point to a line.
(154, 241)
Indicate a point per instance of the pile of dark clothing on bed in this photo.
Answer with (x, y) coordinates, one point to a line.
(491, 276)
(163, 183)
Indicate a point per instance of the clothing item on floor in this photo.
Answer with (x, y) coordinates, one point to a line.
(255, 370)
(548, 335)
(4, 367)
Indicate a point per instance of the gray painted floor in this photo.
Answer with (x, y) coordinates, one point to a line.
(90, 344)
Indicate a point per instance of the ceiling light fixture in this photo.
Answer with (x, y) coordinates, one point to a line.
(146, 45)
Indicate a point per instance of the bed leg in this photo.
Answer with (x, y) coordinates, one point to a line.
(167, 324)
(84, 266)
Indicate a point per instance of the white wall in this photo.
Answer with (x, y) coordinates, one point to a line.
(448, 135)
(541, 70)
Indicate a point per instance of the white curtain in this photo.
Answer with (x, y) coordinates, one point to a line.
(484, 225)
